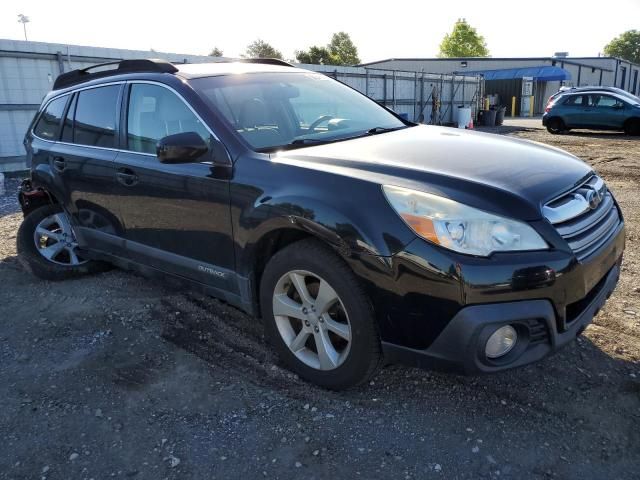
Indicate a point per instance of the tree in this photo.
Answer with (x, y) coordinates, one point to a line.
(343, 50)
(216, 52)
(315, 55)
(463, 41)
(340, 51)
(625, 46)
(261, 49)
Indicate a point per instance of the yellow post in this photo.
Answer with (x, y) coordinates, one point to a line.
(513, 106)
(531, 106)
(486, 104)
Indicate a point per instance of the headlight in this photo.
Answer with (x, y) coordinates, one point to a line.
(459, 227)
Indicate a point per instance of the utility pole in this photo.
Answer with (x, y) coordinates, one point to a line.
(23, 19)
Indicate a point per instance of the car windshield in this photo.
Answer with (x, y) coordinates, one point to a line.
(273, 111)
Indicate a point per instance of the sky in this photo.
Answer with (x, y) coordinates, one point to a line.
(405, 28)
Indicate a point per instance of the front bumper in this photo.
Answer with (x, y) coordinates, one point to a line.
(460, 347)
(436, 308)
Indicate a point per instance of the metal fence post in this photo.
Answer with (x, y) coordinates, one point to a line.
(453, 93)
(393, 91)
(366, 79)
(422, 105)
(415, 95)
(384, 90)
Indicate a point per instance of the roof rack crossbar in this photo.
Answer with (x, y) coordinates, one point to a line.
(74, 77)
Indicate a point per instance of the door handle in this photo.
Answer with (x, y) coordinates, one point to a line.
(126, 177)
(59, 164)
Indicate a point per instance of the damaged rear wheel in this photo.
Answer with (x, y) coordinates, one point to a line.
(48, 248)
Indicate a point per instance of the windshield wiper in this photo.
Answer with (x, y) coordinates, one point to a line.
(298, 142)
(301, 142)
(309, 141)
(376, 130)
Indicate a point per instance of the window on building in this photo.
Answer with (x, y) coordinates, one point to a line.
(49, 124)
(95, 116)
(155, 112)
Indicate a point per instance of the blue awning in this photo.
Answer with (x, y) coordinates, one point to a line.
(544, 73)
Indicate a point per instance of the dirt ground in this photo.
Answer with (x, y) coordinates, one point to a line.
(117, 376)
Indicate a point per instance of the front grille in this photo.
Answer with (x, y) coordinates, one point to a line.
(584, 223)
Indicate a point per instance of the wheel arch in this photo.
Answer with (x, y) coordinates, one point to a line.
(32, 197)
(631, 120)
(267, 246)
(285, 231)
(557, 117)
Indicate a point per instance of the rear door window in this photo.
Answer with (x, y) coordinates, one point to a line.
(575, 101)
(95, 117)
(49, 124)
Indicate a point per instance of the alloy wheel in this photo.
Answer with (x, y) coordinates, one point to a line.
(55, 241)
(312, 320)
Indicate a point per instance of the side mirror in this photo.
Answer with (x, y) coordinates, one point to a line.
(185, 147)
(618, 106)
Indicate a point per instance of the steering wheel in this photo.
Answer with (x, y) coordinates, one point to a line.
(318, 121)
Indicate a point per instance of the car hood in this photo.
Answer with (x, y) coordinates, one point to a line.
(485, 169)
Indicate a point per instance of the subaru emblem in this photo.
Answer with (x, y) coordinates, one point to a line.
(594, 198)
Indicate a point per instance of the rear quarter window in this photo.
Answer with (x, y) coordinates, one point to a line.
(48, 125)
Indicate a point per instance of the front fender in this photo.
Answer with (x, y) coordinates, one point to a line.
(351, 215)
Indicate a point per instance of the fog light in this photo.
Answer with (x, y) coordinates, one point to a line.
(501, 342)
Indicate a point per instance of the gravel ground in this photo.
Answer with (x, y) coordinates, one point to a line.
(117, 376)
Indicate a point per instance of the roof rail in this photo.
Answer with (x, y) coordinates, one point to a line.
(120, 66)
(266, 61)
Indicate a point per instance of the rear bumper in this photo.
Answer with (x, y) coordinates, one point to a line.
(460, 346)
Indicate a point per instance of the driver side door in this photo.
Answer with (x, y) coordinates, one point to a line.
(176, 217)
(608, 111)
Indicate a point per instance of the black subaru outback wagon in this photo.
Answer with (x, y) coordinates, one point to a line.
(355, 235)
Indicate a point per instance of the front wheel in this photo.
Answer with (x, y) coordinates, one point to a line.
(47, 246)
(318, 318)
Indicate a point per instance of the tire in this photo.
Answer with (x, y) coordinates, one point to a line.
(357, 358)
(61, 265)
(632, 127)
(555, 125)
